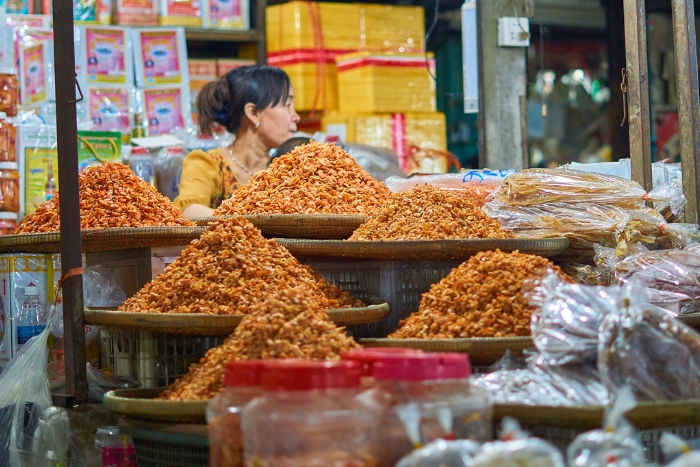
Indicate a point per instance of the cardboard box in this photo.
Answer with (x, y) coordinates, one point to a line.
(315, 84)
(224, 65)
(385, 83)
(389, 28)
(181, 13)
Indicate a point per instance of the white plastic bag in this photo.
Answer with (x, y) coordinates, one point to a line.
(443, 453)
(674, 447)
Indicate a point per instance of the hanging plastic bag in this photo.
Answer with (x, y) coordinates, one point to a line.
(671, 278)
(614, 445)
(518, 450)
(444, 454)
(53, 435)
(24, 396)
(676, 448)
(645, 348)
(567, 318)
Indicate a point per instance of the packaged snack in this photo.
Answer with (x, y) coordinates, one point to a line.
(614, 445)
(162, 57)
(228, 14)
(645, 348)
(136, 12)
(9, 187)
(9, 91)
(515, 448)
(33, 60)
(181, 13)
(165, 110)
(111, 109)
(107, 55)
(671, 278)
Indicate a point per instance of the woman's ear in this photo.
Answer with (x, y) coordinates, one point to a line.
(252, 113)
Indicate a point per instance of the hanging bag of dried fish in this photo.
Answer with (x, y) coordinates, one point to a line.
(315, 178)
(229, 270)
(429, 213)
(111, 195)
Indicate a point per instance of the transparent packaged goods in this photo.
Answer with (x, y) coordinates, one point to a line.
(309, 415)
(427, 397)
(242, 380)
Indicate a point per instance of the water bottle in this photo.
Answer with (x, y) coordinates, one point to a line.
(32, 317)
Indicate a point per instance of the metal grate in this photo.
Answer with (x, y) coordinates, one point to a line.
(154, 360)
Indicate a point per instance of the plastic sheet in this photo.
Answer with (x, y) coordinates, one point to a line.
(645, 348)
(540, 384)
(615, 444)
(671, 278)
(442, 453)
(518, 450)
(24, 396)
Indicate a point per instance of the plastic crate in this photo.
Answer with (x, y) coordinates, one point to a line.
(153, 360)
(159, 449)
(400, 283)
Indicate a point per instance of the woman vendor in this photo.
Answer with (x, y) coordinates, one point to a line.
(256, 104)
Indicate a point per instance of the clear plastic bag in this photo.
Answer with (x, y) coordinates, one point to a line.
(475, 179)
(24, 396)
(516, 449)
(645, 348)
(567, 319)
(671, 278)
(677, 449)
(442, 453)
(614, 445)
(670, 201)
(541, 384)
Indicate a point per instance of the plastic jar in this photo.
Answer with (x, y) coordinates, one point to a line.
(9, 91)
(9, 187)
(309, 415)
(168, 170)
(8, 137)
(242, 380)
(428, 398)
(117, 449)
(141, 163)
(9, 221)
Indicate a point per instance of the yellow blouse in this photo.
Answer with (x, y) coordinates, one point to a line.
(206, 179)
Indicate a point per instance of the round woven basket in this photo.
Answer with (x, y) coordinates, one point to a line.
(316, 226)
(141, 404)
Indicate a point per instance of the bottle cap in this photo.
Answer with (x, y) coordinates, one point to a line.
(454, 366)
(368, 357)
(244, 373)
(407, 367)
(307, 375)
(139, 151)
(175, 150)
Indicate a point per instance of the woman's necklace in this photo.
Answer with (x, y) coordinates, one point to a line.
(239, 164)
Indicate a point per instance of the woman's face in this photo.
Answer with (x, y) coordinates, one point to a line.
(278, 123)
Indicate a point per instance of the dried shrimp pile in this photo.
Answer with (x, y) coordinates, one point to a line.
(429, 213)
(229, 270)
(111, 195)
(290, 323)
(480, 298)
(315, 178)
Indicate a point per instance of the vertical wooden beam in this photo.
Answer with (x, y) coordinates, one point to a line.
(638, 92)
(684, 41)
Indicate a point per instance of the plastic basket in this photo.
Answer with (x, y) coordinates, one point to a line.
(400, 283)
(157, 449)
(153, 360)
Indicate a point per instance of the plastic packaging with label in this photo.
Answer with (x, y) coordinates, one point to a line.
(166, 110)
(161, 58)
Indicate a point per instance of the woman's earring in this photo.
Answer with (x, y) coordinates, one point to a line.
(257, 125)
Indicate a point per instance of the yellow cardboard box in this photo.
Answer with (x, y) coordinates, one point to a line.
(314, 78)
(388, 28)
(385, 83)
(392, 131)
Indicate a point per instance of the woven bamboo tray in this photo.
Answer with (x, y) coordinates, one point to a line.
(436, 250)
(644, 416)
(318, 226)
(691, 319)
(214, 325)
(102, 239)
(483, 351)
(141, 404)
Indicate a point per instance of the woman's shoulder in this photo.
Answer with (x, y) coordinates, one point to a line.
(210, 157)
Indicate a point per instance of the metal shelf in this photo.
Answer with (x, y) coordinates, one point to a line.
(221, 35)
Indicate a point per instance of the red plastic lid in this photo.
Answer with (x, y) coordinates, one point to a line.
(244, 373)
(175, 150)
(368, 357)
(138, 150)
(307, 375)
(407, 367)
(454, 366)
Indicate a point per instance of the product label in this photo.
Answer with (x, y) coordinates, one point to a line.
(163, 110)
(33, 76)
(30, 21)
(145, 6)
(106, 60)
(85, 10)
(109, 109)
(24, 333)
(18, 7)
(161, 61)
(36, 176)
(97, 147)
(183, 8)
(226, 13)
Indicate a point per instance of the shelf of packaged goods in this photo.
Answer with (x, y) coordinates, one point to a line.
(222, 35)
